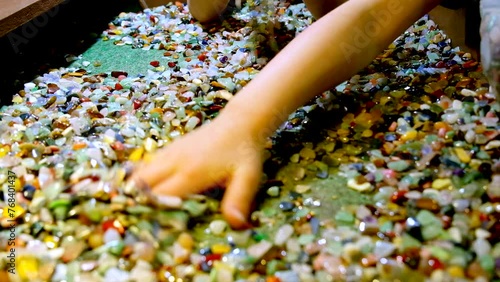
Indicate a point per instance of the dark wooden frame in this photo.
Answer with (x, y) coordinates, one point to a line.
(15, 13)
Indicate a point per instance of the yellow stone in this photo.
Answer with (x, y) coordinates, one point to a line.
(223, 266)
(409, 135)
(17, 99)
(385, 99)
(462, 155)
(398, 242)
(475, 221)
(343, 132)
(475, 163)
(78, 74)
(367, 133)
(51, 241)
(13, 212)
(136, 155)
(120, 175)
(108, 139)
(220, 249)
(443, 183)
(27, 267)
(455, 271)
(4, 151)
(95, 240)
(186, 241)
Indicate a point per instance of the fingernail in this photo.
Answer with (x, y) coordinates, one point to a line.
(242, 220)
(134, 186)
(169, 201)
(129, 169)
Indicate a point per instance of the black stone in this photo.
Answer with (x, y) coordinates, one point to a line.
(29, 191)
(414, 228)
(287, 206)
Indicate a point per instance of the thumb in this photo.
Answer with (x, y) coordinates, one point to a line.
(239, 195)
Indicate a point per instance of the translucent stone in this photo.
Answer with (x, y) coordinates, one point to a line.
(283, 234)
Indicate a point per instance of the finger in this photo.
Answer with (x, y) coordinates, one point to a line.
(239, 195)
(154, 172)
(182, 185)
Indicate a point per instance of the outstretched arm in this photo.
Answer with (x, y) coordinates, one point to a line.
(227, 151)
(327, 53)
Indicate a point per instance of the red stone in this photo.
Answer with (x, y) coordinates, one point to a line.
(370, 104)
(171, 64)
(446, 220)
(137, 104)
(215, 107)
(398, 197)
(438, 93)
(470, 64)
(112, 223)
(434, 263)
(118, 86)
(210, 258)
(202, 57)
(483, 217)
(155, 64)
(441, 64)
(117, 146)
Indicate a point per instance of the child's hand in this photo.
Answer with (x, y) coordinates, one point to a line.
(217, 154)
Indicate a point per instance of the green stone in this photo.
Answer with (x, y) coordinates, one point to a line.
(194, 208)
(471, 176)
(425, 217)
(174, 219)
(459, 257)
(272, 267)
(301, 213)
(59, 203)
(334, 248)
(430, 232)
(168, 241)
(145, 225)
(305, 239)
(50, 141)
(386, 227)
(482, 155)
(273, 191)
(116, 247)
(401, 165)
(60, 212)
(139, 209)
(260, 236)
(487, 262)
(436, 109)
(440, 253)
(155, 115)
(343, 217)
(409, 242)
(269, 211)
(379, 176)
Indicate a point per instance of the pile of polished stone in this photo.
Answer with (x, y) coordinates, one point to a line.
(417, 129)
